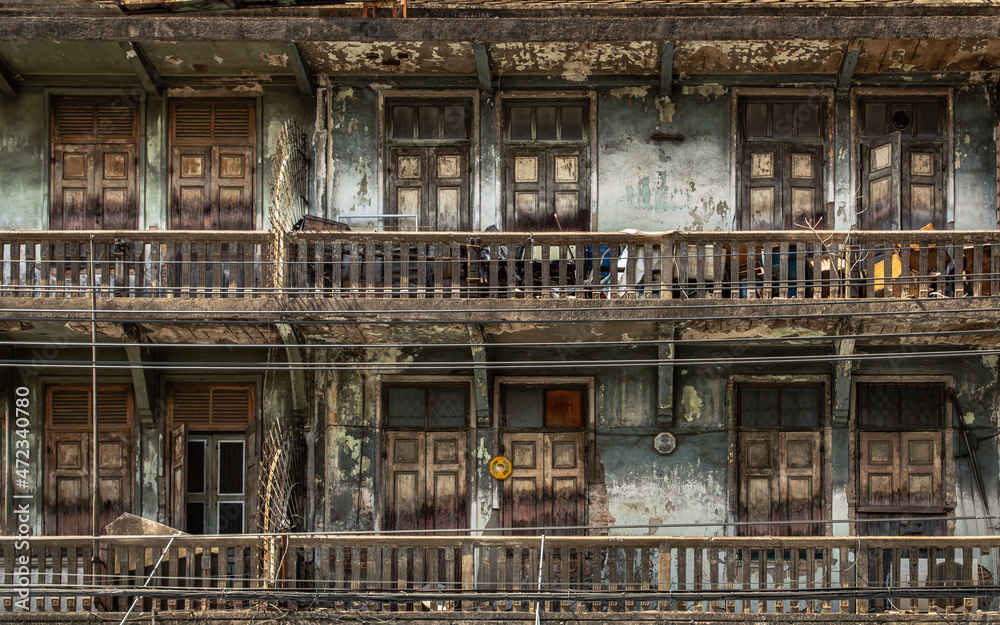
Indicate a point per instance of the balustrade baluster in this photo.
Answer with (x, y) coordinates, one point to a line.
(783, 275)
(699, 576)
(666, 267)
(700, 270)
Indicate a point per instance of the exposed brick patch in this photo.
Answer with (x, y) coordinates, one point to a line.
(599, 509)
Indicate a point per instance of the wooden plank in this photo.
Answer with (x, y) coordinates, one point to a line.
(783, 270)
(494, 272)
(630, 270)
(315, 286)
(218, 287)
(438, 263)
(355, 260)
(976, 273)
(666, 267)
(468, 576)
(923, 281)
(301, 269)
(663, 582)
(421, 270)
(544, 290)
(564, 257)
(700, 269)
(456, 270)
(336, 268)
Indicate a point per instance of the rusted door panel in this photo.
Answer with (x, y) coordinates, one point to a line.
(232, 188)
(920, 470)
(67, 488)
(190, 187)
(922, 194)
(446, 482)
(115, 187)
(800, 486)
(72, 187)
(547, 486)
(408, 187)
(526, 190)
(802, 181)
(567, 203)
(758, 484)
(406, 483)
(68, 474)
(447, 206)
(565, 482)
(878, 469)
(880, 162)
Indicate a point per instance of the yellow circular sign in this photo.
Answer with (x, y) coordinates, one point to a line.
(500, 467)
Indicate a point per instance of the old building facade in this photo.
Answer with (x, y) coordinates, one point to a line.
(716, 281)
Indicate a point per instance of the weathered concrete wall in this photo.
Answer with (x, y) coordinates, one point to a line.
(23, 164)
(975, 158)
(664, 185)
(354, 144)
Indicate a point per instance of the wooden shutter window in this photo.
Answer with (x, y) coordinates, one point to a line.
(212, 406)
(69, 407)
(199, 122)
(88, 120)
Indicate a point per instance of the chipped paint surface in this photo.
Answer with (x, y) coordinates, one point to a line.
(665, 109)
(576, 61)
(709, 90)
(415, 57)
(796, 56)
(691, 403)
(629, 92)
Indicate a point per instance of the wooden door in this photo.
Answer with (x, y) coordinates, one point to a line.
(780, 480)
(547, 485)
(880, 161)
(212, 152)
(900, 472)
(431, 184)
(427, 480)
(922, 193)
(763, 186)
(94, 164)
(68, 457)
(547, 189)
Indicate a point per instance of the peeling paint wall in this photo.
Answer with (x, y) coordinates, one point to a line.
(975, 158)
(23, 165)
(354, 144)
(662, 185)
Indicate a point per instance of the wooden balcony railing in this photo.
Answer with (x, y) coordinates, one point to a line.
(800, 265)
(135, 264)
(784, 576)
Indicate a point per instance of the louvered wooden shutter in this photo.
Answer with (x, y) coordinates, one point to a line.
(200, 122)
(69, 407)
(94, 120)
(212, 406)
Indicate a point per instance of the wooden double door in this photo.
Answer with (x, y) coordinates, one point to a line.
(547, 486)
(427, 480)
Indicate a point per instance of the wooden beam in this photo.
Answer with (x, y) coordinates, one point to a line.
(842, 382)
(483, 66)
(666, 67)
(665, 376)
(144, 71)
(7, 85)
(481, 390)
(298, 66)
(909, 22)
(847, 65)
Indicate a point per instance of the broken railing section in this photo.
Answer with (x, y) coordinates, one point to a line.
(800, 265)
(800, 575)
